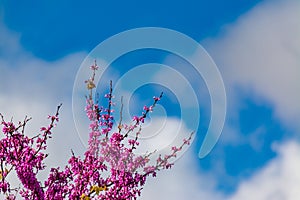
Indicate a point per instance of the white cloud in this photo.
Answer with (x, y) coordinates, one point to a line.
(183, 181)
(260, 53)
(279, 179)
(34, 87)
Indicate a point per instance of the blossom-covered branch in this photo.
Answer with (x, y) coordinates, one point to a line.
(109, 169)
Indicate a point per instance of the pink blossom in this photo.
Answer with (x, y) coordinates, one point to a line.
(108, 170)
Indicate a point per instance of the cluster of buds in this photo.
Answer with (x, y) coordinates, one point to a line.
(109, 170)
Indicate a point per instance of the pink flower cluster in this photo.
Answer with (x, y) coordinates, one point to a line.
(24, 155)
(109, 170)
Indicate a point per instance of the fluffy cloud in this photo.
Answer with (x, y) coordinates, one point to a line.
(183, 181)
(33, 87)
(260, 53)
(279, 179)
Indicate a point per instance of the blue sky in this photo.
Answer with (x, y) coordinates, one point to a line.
(62, 23)
(255, 45)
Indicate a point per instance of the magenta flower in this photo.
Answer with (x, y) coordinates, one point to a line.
(109, 169)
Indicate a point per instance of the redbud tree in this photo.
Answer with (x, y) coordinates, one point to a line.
(109, 170)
